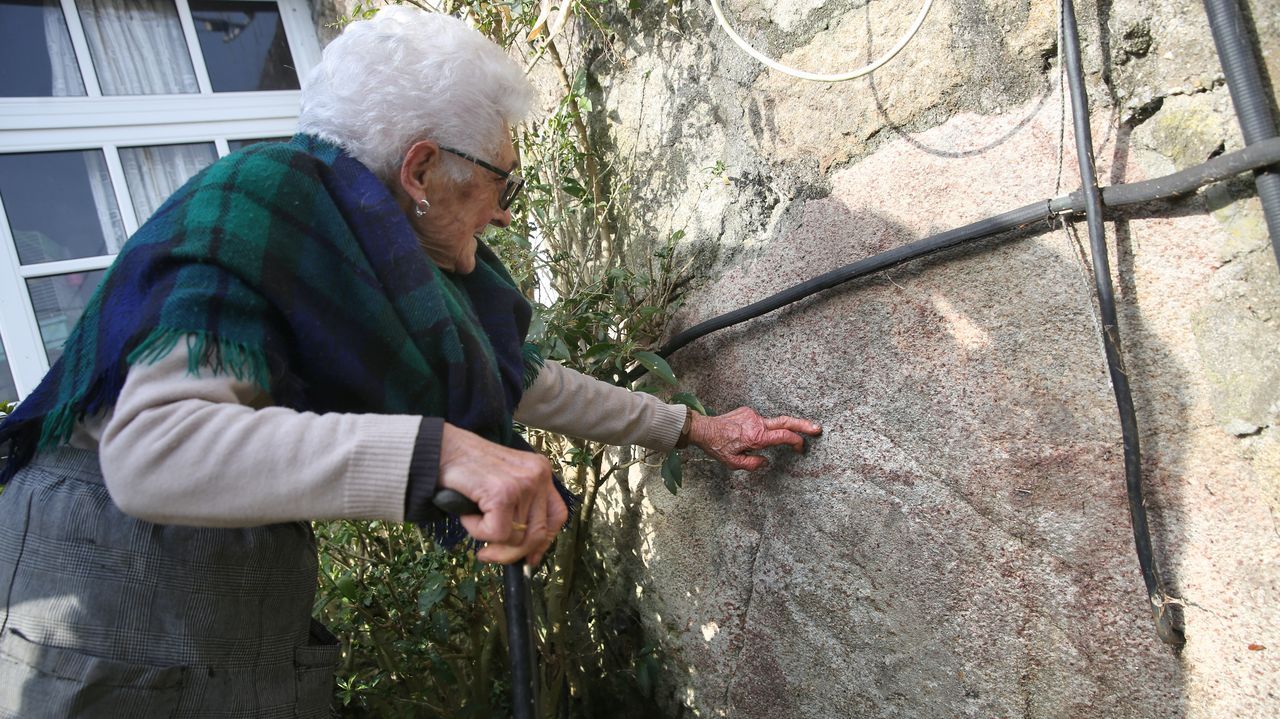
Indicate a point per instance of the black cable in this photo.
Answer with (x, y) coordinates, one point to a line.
(1249, 96)
(1179, 183)
(1021, 217)
(1111, 331)
(1259, 154)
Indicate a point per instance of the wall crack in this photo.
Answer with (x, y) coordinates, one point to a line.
(742, 629)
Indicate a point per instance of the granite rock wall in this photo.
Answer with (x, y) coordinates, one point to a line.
(958, 543)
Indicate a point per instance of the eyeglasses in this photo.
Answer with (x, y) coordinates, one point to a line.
(515, 183)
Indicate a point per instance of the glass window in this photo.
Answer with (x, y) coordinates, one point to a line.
(8, 388)
(137, 47)
(34, 37)
(154, 173)
(59, 301)
(244, 46)
(60, 205)
(234, 145)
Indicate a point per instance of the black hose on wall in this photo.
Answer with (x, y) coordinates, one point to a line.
(1259, 154)
(1013, 219)
(1250, 98)
(1159, 600)
(1160, 188)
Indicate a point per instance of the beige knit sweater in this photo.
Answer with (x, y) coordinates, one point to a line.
(210, 450)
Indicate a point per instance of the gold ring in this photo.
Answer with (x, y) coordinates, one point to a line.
(519, 526)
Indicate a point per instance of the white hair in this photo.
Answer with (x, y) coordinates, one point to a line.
(405, 76)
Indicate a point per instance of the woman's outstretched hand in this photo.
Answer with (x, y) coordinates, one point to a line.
(521, 511)
(731, 438)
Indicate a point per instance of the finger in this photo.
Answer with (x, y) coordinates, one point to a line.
(494, 552)
(749, 462)
(520, 521)
(493, 526)
(474, 524)
(500, 554)
(536, 538)
(794, 424)
(781, 436)
(557, 513)
(518, 534)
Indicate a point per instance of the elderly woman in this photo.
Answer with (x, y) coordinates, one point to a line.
(306, 330)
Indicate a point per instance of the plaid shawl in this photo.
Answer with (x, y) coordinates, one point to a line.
(291, 265)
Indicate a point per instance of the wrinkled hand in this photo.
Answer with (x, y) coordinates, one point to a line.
(730, 438)
(511, 487)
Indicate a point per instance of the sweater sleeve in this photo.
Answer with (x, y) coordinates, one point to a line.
(205, 451)
(566, 401)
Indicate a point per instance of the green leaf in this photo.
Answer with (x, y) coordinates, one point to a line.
(537, 325)
(430, 596)
(347, 588)
(672, 473)
(573, 188)
(658, 366)
(688, 399)
(599, 349)
(467, 589)
(559, 350)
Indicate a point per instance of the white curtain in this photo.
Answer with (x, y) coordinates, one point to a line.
(62, 56)
(154, 173)
(104, 201)
(138, 47)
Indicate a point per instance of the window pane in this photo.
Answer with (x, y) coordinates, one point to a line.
(60, 205)
(8, 389)
(234, 145)
(244, 46)
(137, 47)
(154, 173)
(59, 301)
(33, 36)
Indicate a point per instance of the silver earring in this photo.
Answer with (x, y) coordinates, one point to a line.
(421, 209)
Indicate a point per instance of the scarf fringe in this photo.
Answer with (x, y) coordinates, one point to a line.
(98, 395)
(221, 356)
(24, 438)
(533, 363)
(205, 350)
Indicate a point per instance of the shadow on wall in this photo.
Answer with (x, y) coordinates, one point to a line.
(958, 543)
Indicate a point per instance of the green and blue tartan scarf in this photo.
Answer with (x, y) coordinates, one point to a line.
(292, 266)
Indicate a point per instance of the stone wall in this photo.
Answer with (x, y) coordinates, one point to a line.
(958, 543)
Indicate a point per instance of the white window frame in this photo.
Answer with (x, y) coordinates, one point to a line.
(95, 122)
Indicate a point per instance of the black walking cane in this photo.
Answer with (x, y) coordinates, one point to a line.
(517, 602)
